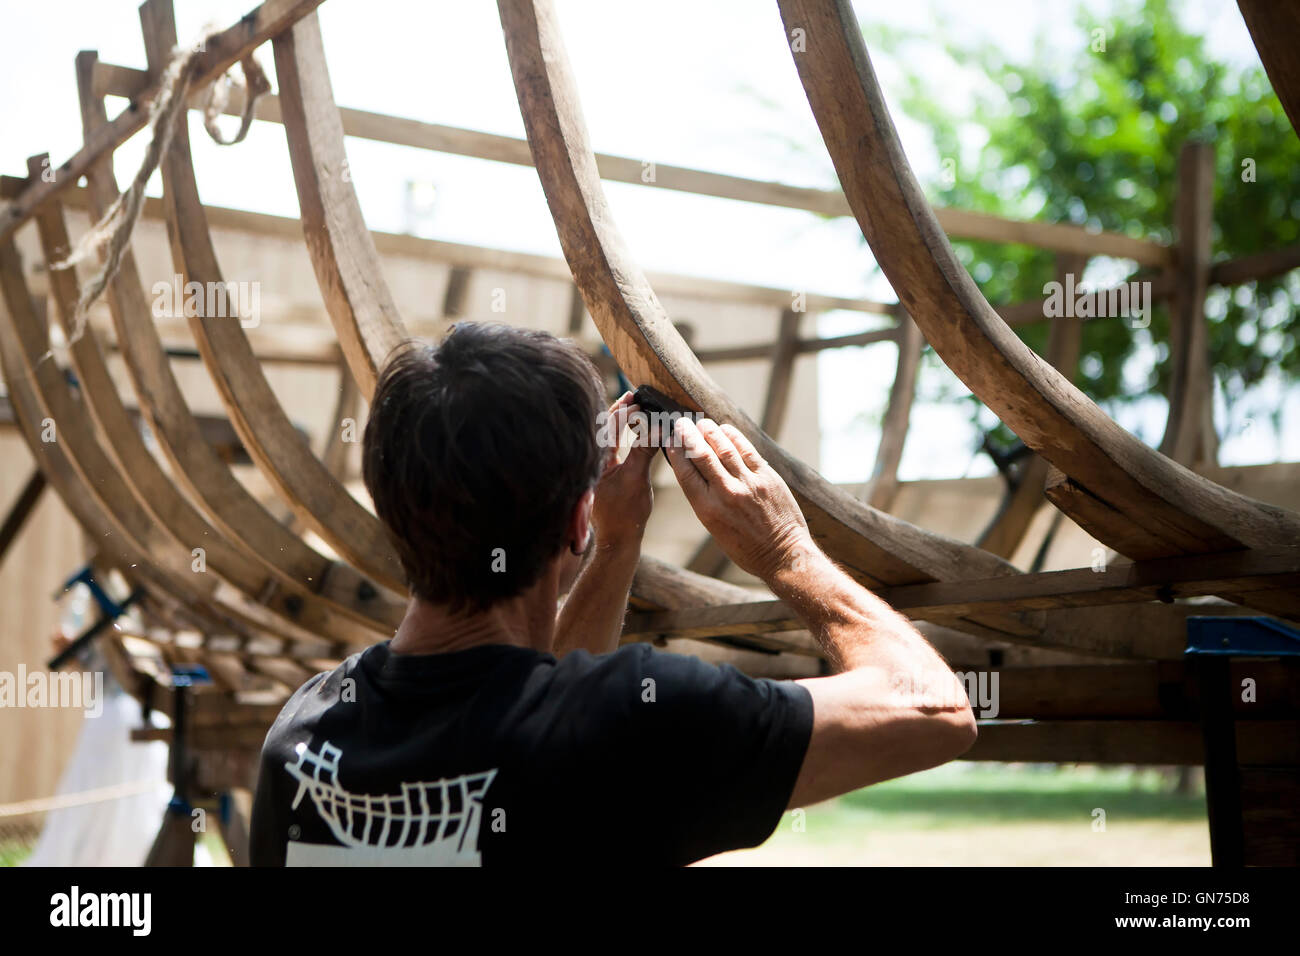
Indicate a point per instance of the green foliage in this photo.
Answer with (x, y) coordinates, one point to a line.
(1094, 139)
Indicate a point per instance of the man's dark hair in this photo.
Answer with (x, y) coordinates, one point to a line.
(484, 441)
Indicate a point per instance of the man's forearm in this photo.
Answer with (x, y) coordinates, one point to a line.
(854, 626)
(592, 615)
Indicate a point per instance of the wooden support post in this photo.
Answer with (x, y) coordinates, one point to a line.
(21, 510)
(880, 491)
(453, 300)
(1189, 434)
(1024, 497)
(1222, 778)
(577, 311)
(335, 454)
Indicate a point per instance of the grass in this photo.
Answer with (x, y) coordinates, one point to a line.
(997, 814)
(13, 852)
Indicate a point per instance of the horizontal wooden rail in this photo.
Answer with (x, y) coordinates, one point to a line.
(1164, 579)
(459, 255)
(112, 80)
(763, 350)
(1259, 742)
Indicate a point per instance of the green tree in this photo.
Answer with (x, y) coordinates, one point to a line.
(1094, 139)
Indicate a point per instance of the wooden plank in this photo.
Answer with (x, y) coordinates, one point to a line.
(1089, 741)
(883, 484)
(1167, 690)
(1127, 741)
(222, 51)
(345, 598)
(459, 255)
(347, 265)
(1165, 579)
(1259, 265)
(347, 408)
(20, 510)
(1189, 429)
(151, 487)
(1143, 489)
(1098, 301)
(660, 585)
(742, 353)
(29, 370)
(1061, 237)
(1270, 821)
(54, 456)
(1023, 499)
(315, 496)
(1274, 28)
(873, 546)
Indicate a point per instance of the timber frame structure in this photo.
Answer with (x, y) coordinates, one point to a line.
(1091, 664)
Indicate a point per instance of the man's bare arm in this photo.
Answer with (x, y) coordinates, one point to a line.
(592, 615)
(895, 707)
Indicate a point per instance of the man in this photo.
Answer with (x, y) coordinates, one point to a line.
(493, 730)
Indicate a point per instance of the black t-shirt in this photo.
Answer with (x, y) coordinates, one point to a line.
(504, 755)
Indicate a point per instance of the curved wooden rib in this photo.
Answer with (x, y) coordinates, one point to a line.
(227, 503)
(142, 473)
(279, 450)
(1274, 27)
(80, 465)
(1127, 484)
(347, 265)
(875, 547)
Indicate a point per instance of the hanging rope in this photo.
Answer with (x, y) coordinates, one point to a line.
(255, 85)
(112, 233)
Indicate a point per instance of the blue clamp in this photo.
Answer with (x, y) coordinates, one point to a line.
(109, 611)
(107, 606)
(190, 675)
(1242, 637)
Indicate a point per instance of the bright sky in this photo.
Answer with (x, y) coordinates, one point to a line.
(701, 83)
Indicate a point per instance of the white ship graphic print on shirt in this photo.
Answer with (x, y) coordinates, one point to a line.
(427, 824)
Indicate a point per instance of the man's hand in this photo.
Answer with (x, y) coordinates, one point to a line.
(591, 617)
(738, 497)
(623, 495)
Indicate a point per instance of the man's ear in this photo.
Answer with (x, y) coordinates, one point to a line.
(580, 531)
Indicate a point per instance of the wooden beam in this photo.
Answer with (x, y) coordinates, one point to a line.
(329, 593)
(660, 585)
(315, 496)
(883, 483)
(459, 255)
(1259, 265)
(222, 51)
(1184, 512)
(960, 224)
(1274, 28)
(1029, 313)
(1127, 741)
(1189, 430)
(1166, 579)
(21, 510)
(68, 458)
(134, 465)
(1023, 499)
(347, 265)
(873, 546)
